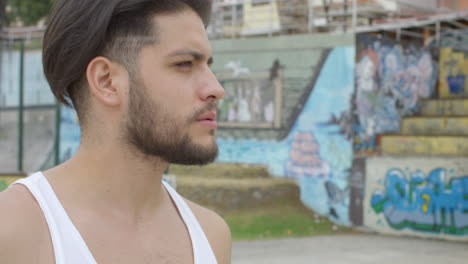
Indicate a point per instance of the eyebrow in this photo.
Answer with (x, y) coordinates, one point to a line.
(198, 56)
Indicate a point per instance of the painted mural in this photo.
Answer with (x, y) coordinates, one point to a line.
(251, 99)
(391, 80)
(248, 100)
(316, 151)
(453, 74)
(422, 202)
(423, 196)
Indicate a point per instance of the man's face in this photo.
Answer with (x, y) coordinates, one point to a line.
(172, 98)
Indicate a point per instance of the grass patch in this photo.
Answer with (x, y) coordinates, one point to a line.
(282, 222)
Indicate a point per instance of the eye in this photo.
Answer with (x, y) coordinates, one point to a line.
(184, 64)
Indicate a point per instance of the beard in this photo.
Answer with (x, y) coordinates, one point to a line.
(154, 132)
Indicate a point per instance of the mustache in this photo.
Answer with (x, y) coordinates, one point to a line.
(210, 107)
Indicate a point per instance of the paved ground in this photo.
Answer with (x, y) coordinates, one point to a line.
(350, 249)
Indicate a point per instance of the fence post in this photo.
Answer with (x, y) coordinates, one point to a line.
(354, 17)
(310, 17)
(20, 108)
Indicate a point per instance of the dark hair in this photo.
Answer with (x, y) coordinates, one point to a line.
(80, 30)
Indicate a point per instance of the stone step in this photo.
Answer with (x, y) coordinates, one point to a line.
(437, 126)
(227, 195)
(444, 107)
(221, 170)
(403, 145)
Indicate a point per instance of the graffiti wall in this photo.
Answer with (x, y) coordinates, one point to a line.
(453, 73)
(316, 151)
(391, 80)
(419, 196)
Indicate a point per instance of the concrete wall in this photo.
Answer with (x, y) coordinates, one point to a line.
(314, 149)
(296, 59)
(426, 197)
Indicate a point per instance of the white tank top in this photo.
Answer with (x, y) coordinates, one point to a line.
(69, 246)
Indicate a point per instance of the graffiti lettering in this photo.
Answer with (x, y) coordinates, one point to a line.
(422, 203)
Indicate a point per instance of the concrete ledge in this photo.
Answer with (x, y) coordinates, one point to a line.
(437, 126)
(225, 195)
(425, 145)
(444, 107)
(221, 170)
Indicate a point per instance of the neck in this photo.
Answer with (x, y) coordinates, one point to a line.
(107, 177)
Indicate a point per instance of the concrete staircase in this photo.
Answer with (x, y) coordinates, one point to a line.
(226, 187)
(422, 175)
(440, 129)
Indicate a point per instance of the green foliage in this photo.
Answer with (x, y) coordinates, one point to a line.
(2, 13)
(3, 185)
(28, 11)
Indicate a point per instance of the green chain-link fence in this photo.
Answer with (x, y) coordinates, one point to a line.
(28, 111)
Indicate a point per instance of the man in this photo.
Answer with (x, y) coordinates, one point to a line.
(137, 73)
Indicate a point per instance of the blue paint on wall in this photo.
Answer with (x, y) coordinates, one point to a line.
(424, 203)
(70, 133)
(456, 84)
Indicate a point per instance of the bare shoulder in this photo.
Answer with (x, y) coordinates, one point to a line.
(21, 226)
(216, 230)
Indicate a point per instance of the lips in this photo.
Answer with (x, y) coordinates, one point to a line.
(210, 116)
(208, 120)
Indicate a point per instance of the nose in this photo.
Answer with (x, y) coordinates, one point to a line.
(212, 89)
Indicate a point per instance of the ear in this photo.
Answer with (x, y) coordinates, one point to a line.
(107, 81)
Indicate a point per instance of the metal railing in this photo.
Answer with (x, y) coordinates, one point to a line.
(237, 19)
(245, 18)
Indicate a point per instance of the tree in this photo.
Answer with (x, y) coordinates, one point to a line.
(2, 14)
(29, 12)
